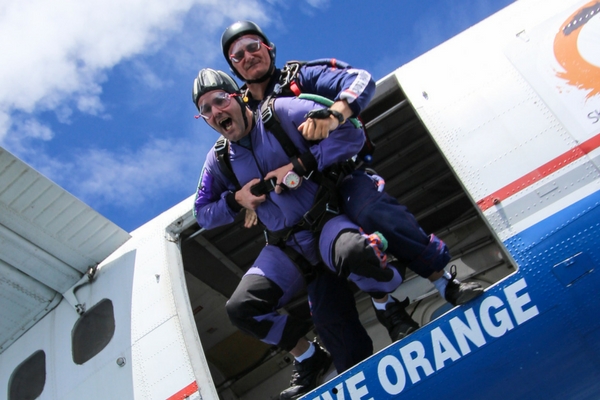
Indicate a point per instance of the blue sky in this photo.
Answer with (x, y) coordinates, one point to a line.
(96, 94)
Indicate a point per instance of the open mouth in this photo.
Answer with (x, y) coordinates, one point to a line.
(226, 124)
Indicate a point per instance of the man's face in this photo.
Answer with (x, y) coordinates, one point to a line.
(252, 65)
(223, 114)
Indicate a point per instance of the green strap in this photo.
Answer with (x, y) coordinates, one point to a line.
(327, 102)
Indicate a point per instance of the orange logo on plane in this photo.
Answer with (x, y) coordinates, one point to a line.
(578, 72)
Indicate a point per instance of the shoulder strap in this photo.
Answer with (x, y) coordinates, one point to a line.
(288, 85)
(222, 152)
(273, 125)
(287, 80)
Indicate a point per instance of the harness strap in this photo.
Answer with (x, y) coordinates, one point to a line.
(279, 239)
(327, 199)
(327, 202)
(325, 207)
(287, 80)
(305, 268)
(273, 125)
(222, 152)
(288, 85)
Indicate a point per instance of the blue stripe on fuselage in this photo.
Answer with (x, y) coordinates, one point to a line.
(530, 336)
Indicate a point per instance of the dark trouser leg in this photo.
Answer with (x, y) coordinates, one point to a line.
(251, 309)
(268, 285)
(336, 320)
(358, 257)
(378, 211)
(354, 258)
(349, 254)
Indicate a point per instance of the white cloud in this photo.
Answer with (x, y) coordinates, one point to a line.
(5, 124)
(126, 178)
(148, 77)
(56, 56)
(318, 3)
(32, 129)
(55, 52)
(63, 114)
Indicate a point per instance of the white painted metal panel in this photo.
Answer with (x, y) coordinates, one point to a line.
(492, 114)
(101, 377)
(48, 239)
(497, 92)
(48, 216)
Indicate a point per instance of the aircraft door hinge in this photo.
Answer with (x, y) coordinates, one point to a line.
(86, 279)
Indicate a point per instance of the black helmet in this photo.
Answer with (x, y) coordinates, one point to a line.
(209, 80)
(241, 28)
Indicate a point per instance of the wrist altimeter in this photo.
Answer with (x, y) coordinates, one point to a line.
(324, 113)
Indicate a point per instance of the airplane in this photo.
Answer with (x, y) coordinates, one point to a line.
(491, 139)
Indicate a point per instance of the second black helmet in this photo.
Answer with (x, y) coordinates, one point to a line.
(241, 28)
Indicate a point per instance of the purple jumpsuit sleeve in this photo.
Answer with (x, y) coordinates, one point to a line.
(356, 86)
(341, 144)
(212, 206)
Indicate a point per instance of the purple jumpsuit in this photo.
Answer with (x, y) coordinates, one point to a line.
(273, 280)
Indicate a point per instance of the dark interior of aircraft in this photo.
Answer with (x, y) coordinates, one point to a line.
(417, 174)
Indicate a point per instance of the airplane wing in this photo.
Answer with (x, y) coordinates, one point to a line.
(48, 240)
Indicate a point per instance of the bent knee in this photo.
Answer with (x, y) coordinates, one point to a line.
(238, 312)
(348, 251)
(352, 254)
(255, 296)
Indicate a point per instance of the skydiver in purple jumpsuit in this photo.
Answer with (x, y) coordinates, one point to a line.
(373, 210)
(274, 279)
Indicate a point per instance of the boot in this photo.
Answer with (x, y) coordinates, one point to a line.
(307, 373)
(458, 292)
(397, 321)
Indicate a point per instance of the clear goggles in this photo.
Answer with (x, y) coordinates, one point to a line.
(219, 100)
(243, 46)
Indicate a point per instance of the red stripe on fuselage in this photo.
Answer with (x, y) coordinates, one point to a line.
(185, 392)
(541, 172)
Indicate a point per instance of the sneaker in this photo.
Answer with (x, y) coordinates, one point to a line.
(461, 292)
(397, 321)
(307, 373)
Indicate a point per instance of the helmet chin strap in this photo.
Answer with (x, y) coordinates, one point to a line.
(245, 121)
(246, 118)
(243, 107)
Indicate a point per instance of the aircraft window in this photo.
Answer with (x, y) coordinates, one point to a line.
(93, 331)
(29, 378)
